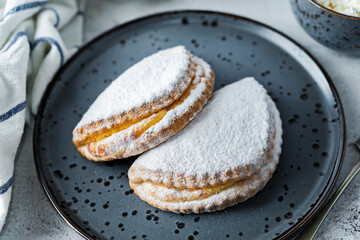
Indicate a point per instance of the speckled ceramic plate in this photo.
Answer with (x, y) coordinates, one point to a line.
(95, 198)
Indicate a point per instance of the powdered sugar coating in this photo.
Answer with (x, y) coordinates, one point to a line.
(124, 141)
(238, 192)
(231, 131)
(148, 80)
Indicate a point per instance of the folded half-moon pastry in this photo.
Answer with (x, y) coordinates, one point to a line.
(144, 106)
(223, 157)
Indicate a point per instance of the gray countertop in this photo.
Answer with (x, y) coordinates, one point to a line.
(31, 215)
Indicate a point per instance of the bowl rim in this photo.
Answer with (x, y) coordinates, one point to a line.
(314, 2)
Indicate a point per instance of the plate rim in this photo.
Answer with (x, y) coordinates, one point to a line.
(292, 230)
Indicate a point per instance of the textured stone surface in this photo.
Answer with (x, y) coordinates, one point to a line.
(31, 215)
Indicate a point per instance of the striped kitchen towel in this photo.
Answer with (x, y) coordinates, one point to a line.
(36, 38)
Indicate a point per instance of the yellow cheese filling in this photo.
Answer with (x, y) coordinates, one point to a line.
(165, 193)
(147, 122)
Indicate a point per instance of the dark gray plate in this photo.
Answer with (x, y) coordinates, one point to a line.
(95, 198)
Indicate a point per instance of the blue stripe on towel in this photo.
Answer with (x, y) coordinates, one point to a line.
(51, 41)
(79, 13)
(25, 6)
(19, 34)
(6, 186)
(56, 14)
(13, 111)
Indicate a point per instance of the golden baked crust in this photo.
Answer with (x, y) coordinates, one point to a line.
(141, 129)
(238, 192)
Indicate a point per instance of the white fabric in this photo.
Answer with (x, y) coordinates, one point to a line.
(36, 38)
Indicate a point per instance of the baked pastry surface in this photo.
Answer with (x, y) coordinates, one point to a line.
(224, 156)
(144, 106)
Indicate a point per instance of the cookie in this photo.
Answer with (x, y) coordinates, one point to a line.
(224, 156)
(144, 106)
